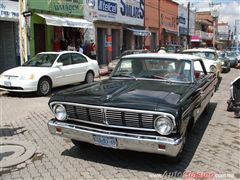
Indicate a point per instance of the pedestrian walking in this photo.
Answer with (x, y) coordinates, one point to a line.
(162, 50)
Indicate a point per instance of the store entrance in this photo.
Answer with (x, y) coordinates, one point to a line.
(8, 57)
(39, 36)
(101, 46)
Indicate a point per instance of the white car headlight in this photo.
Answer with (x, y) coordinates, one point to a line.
(60, 112)
(27, 76)
(163, 125)
(212, 68)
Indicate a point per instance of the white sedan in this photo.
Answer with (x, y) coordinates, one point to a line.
(49, 69)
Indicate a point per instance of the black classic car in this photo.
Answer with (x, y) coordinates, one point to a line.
(148, 104)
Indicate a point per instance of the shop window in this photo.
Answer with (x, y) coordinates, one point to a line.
(65, 59)
(77, 58)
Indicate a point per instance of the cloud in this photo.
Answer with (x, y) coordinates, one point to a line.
(229, 12)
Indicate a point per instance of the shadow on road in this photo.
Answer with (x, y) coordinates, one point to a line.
(10, 131)
(34, 94)
(143, 161)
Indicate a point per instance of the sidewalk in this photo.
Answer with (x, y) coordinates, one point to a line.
(103, 70)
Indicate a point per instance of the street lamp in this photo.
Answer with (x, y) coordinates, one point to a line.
(215, 15)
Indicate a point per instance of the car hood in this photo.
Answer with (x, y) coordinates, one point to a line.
(131, 93)
(23, 70)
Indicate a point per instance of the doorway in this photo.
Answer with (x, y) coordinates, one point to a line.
(39, 36)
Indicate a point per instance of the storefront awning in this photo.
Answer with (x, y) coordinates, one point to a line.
(195, 39)
(170, 31)
(139, 32)
(66, 21)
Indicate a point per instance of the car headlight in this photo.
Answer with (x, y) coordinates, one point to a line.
(222, 62)
(60, 112)
(163, 125)
(27, 76)
(212, 68)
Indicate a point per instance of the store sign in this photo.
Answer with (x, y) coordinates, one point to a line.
(106, 6)
(68, 7)
(132, 10)
(9, 9)
(182, 20)
(120, 11)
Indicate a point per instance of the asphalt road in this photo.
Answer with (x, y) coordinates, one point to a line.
(212, 148)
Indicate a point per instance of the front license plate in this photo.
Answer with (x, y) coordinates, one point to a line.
(7, 83)
(105, 141)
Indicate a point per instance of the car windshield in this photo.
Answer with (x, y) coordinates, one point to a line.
(154, 68)
(205, 55)
(230, 54)
(41, 60)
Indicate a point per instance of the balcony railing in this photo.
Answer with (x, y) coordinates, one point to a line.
(204, 35)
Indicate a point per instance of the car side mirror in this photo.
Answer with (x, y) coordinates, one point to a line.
(58, 64)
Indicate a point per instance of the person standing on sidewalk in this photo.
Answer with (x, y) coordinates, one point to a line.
(93, 50)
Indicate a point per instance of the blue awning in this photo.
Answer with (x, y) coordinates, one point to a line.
(139, 32)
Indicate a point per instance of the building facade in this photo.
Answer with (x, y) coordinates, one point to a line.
(9, 43)
(168, 22)
(183, 25)
(119, 26)
(50, 26)
(152, 23)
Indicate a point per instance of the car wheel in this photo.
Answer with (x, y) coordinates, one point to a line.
(44, 87)
(89, 78)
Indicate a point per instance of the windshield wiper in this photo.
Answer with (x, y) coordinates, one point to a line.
(124, 75)
(155, 77)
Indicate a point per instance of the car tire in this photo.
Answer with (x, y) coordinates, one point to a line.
(44, 87)
(89, 78)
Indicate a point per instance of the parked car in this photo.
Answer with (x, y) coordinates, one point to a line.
(225, 61)
(114, 62)
(233, 58)
(49, 69)
(210, 58)
(234, 101)
(149, 104)
(174, 48)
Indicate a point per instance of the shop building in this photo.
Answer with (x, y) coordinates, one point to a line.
(9, 48)
(152, 24)
(183, 25)
(51, 26)
(119, 26)
(168, 22)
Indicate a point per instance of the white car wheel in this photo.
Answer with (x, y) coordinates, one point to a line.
(44, 87)
(89, 78)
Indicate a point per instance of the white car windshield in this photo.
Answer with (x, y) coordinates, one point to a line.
(205, 55)
(154, 68)
(41, 60)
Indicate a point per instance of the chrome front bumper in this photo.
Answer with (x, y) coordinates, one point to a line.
(128, 141)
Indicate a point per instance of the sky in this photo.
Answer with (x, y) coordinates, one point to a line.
(229, 10)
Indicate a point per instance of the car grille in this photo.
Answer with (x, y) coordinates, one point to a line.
(110, 117)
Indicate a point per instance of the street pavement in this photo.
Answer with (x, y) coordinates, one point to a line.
(212, 149)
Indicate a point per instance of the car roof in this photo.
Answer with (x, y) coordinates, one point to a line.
(200, 50)
(167, 56)
(61, 52)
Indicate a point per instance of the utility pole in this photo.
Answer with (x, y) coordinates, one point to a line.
(188, 25)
